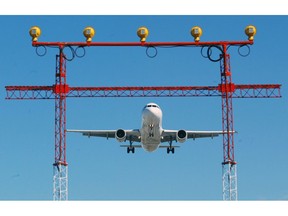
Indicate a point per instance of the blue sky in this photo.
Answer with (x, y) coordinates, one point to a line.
(100, 169)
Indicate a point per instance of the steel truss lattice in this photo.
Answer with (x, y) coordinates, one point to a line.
(49, 92)
(229, 174)
(60, 182)
(60, 179)
(229, 181)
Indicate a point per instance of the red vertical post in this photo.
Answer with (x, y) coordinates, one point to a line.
(60, 179)
(229, 176)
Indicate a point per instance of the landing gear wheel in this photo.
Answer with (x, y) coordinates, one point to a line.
(132, 149)
(170, 150)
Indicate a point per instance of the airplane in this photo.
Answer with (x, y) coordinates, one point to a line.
(151, 134)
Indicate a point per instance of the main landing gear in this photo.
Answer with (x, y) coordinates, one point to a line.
(130, 148)
(170, 148)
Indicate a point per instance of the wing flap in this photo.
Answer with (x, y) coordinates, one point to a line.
(97, 133)
(203, 134)
(170, 135)
(131, 135)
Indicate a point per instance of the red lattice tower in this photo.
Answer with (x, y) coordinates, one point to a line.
(229, 172)
(226, 90)
(60, 179)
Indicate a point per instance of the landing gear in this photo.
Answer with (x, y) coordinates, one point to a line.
(132, 149)
(170, 148)
(151, 132)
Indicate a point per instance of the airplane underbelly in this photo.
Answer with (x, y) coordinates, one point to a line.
(150, 147)
(150, 132)
(150, 144)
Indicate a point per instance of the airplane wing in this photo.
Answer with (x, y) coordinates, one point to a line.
(170, 135)
(131, 135)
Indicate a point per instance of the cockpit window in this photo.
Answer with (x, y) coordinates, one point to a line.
(152, 105)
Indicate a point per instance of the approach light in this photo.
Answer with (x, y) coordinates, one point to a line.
(89, 33)
(196, 32)
(35, 32)
(250, 31)
(142, 33)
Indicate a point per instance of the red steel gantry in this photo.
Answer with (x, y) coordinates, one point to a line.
(226, 90)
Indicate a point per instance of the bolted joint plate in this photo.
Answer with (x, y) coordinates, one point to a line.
(226, 87)
(61, 89)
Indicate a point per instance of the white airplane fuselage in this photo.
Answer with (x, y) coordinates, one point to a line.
(151, 128)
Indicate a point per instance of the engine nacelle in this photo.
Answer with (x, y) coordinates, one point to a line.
(120, 135)
(181, 136)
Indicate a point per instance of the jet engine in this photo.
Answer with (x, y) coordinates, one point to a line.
(120, 135)
(181, 136)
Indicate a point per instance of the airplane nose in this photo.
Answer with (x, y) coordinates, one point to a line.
(147, 112)
(150, 113)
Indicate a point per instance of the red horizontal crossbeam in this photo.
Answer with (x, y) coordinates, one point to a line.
(144, 44)
(48, 92)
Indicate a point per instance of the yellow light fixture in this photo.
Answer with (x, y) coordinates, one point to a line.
(142, 33)
(196, 32)
(35, 32)
(89, 33)
(250, 31)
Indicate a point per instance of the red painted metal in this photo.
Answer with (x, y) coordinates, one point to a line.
(48, 92)
(143, 44)
(227, 88)
(60, 90)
